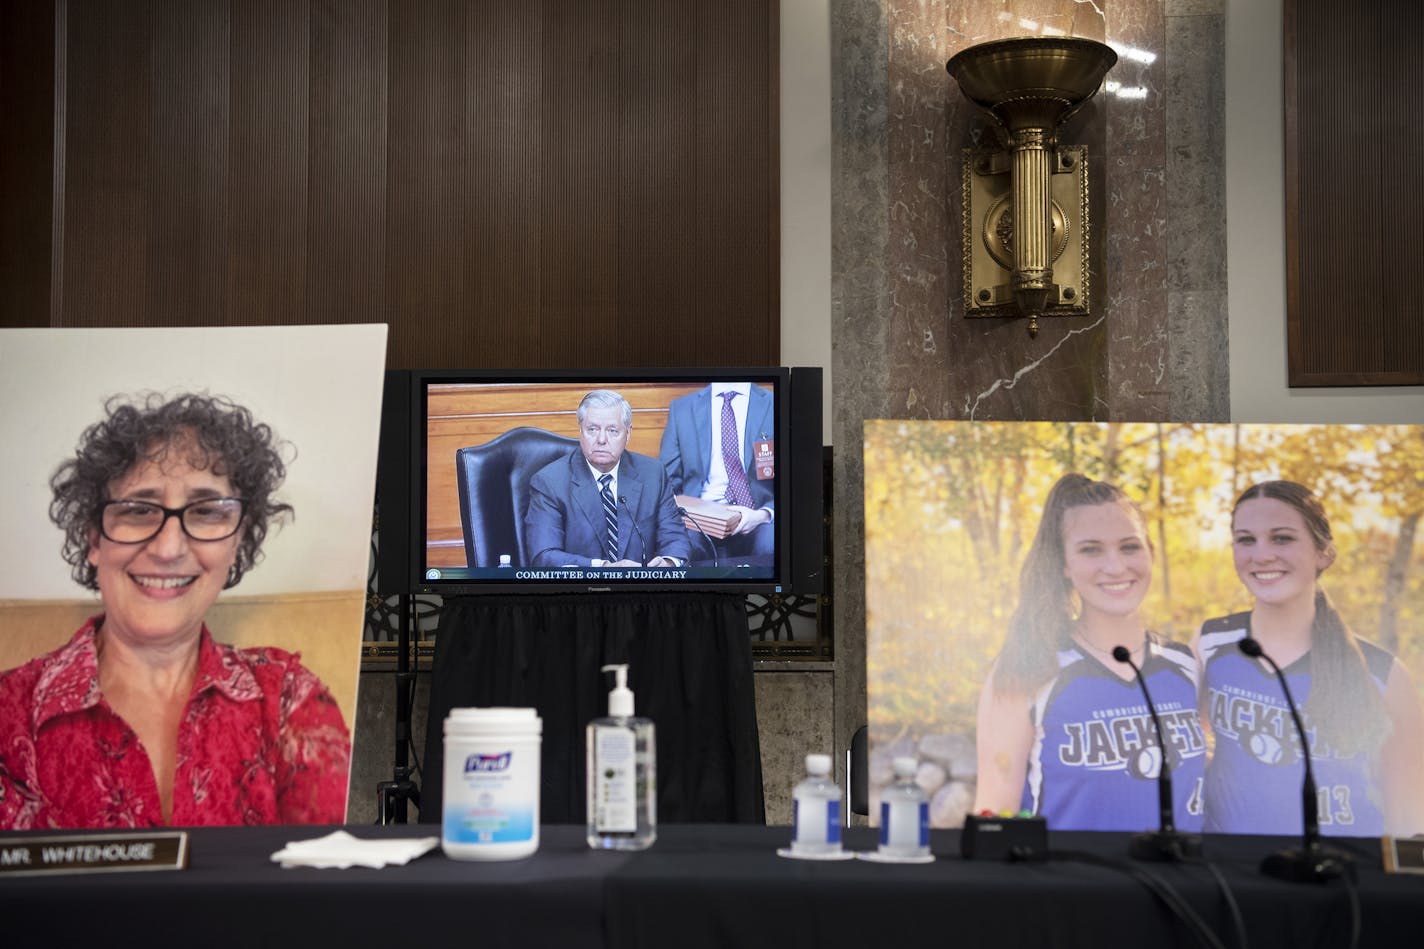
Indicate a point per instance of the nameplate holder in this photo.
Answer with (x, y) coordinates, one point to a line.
(1403, 854)
(93, 853)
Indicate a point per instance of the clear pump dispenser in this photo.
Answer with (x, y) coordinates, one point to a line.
(621, 773)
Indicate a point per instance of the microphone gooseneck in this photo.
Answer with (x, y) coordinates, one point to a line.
(642, 541)
(1312, 863)
(710, 546)
(1167, 843)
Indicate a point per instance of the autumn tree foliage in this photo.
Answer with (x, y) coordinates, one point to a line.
(950, 508)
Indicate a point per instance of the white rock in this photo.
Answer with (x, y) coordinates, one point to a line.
(930, 776)
(950, 803)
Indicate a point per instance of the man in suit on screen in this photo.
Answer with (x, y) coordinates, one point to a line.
(708, 448)
(602, 505)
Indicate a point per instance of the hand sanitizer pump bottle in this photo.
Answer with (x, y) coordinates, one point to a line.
(621, 773)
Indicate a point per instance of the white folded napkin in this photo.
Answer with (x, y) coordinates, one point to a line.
(340, 850)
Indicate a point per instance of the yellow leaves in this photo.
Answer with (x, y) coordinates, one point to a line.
(951, 508)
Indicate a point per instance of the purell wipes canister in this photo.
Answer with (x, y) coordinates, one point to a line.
(491, 806)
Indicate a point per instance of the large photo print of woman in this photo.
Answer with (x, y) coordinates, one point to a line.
(1007, 563)
(141, 692)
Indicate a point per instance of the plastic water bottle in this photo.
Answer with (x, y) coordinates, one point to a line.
(817, 803)
(905, 814)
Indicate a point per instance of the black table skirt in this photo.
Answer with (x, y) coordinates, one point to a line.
(700, 885)
(689, 665)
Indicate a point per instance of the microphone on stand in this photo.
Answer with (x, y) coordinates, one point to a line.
(642, 542)
(710, 546)
(1165, 843)
(1312, 863)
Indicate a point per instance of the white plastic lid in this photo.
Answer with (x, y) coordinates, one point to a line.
(620, 699)
(905, 767)
(818, 765)
(493, 721)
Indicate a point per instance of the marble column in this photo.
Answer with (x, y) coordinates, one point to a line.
(1154, 343)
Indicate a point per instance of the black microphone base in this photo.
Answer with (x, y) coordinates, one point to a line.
(1164, 846)
(1316, 865)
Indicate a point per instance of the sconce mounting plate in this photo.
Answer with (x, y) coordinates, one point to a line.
(988, 233)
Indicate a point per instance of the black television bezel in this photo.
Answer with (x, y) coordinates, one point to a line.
(787, 475)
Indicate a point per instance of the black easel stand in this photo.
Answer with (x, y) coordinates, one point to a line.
(392, 796)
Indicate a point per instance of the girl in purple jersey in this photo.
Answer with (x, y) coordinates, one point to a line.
(1063, 729)
(1359, 705)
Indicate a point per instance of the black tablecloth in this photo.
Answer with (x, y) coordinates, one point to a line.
(705, 887)
(232, 895)
(700, 885)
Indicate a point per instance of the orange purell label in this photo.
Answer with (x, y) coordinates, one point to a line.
(764, 459)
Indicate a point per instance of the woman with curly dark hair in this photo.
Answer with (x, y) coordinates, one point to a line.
(143, 718)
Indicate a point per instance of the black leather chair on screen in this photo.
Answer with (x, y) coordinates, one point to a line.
(494, 490)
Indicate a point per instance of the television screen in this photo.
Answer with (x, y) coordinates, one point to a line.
(600, 480)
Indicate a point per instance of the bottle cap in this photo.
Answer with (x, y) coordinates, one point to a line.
(620, 700)
(818, 765)
(905, 767)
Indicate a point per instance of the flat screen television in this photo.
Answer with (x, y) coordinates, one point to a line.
(506, 493)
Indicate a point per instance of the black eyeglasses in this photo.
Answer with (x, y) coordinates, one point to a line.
(133, 522)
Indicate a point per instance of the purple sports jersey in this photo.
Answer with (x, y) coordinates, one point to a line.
(1253, 783)
(1096, 756)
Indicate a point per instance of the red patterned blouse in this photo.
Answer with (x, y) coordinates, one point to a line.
(261, 742)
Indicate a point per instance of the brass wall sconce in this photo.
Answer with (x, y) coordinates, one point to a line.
(1026, 204)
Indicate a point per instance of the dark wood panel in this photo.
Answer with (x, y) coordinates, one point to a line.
(186, 180)
(346, 227)
(27, 111)
(579, 213)
(504, 182)
(106, 217)
(1340, 177)
(504, 92)
(266, 265)
(657, 194)
(1352, 235)
(425, 267)
(736, 321)
(1401, 149)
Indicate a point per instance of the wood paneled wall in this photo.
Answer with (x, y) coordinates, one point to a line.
(27, 103)
(506, 182)
(1354, 146)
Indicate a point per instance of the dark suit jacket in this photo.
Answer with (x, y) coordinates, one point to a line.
(686, 449)
(564, 524)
